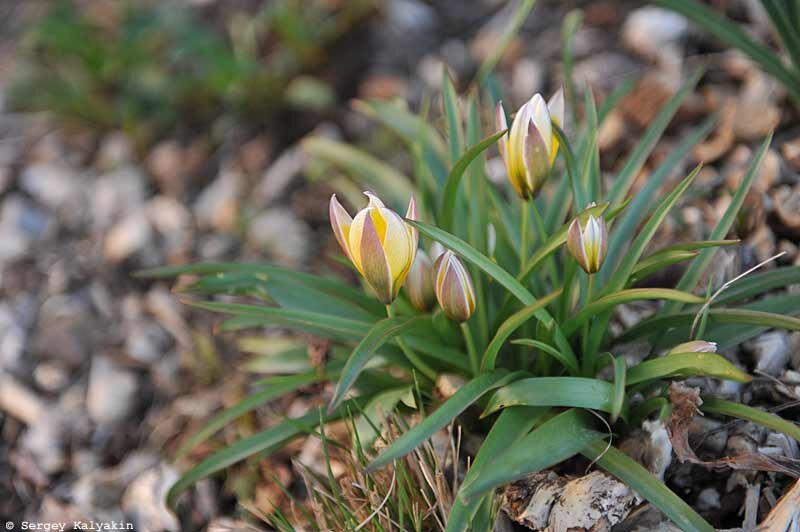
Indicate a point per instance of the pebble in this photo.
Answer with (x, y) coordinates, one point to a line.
(111, 395)
(708, 499)
(115, 194)
(65, 329)
(44, 441)
(166, 164)
(654, 31)
(280, 174)
(146, 341)
(217, 207)
(19, 401)
(527, 78)
(128, 237)
(54, 186)
(280, 234)
(13, 338)
(114, 151)
(771, 352)
(144, 500)
(22, 223)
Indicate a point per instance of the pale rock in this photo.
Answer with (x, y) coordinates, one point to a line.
(13, 337)
(54, 186)
(279, 175)
(146, 341)
(114, 151)
(527, 79)
(281, 235)
(19, 401)
(43, 440)
(128, 237)
(217, 207)
(708, 499)
(116, 194)
(50, 376)
(654, 32)
(112, 392)
(173, 221)
(591, 500)
(144, 500)
(22, 224)
(771, 352)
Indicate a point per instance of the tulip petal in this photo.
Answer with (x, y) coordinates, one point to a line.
(536, 159)
(398, 246)
(341, 223)
(411, 214)
(540, 117)
(575, 244)
(556, 108)
(453, 287)
(374, 266)
(501, 125)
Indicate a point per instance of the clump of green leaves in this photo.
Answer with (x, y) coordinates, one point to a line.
(785, 18)
(540, 327)
(161, 69)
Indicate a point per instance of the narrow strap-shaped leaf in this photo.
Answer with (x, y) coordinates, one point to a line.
(731, 34)
(771, 312)
(367, 168)
(498, 274)
(759, 283)
(620, 276)
(511, 425)
(658, 262)
(403, 122)
(509, 326)
(567, 361)
(448, 411)
(578, 191)
(624, 296)
(686, 365)
(265, 442)
(310, 322)
(381, 332)
(515, 23)
(624, 229)
(549, 444)
(695, 271)
(454, 178)
(715, 405)
(620, 382)
(452, 116)
(636, 160)
(645, 484)
(576, 392)
(270, 273)
(273, 388)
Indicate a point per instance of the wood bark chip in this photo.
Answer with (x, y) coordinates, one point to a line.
(686, 402)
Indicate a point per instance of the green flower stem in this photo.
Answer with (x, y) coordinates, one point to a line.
(412, 357)
(473, 353)
(541, 234)
(588, 360)
(523, 236)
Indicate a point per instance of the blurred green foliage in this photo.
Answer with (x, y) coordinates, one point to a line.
(153, 68)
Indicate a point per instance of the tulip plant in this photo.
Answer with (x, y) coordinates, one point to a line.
(511, 288)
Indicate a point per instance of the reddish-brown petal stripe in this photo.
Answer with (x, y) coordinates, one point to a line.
(536, 159)
(575, 244)
(373, 263)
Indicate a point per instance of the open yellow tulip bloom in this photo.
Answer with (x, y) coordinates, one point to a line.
(378, 242)
(530, 148)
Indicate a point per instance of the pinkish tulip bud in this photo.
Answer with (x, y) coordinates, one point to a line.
(453, 287)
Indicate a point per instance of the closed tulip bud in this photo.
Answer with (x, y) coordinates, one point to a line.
(530, 148)
(419, 284)
(696, 346)
(588, 244)
(378, 242)
(453, 287)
